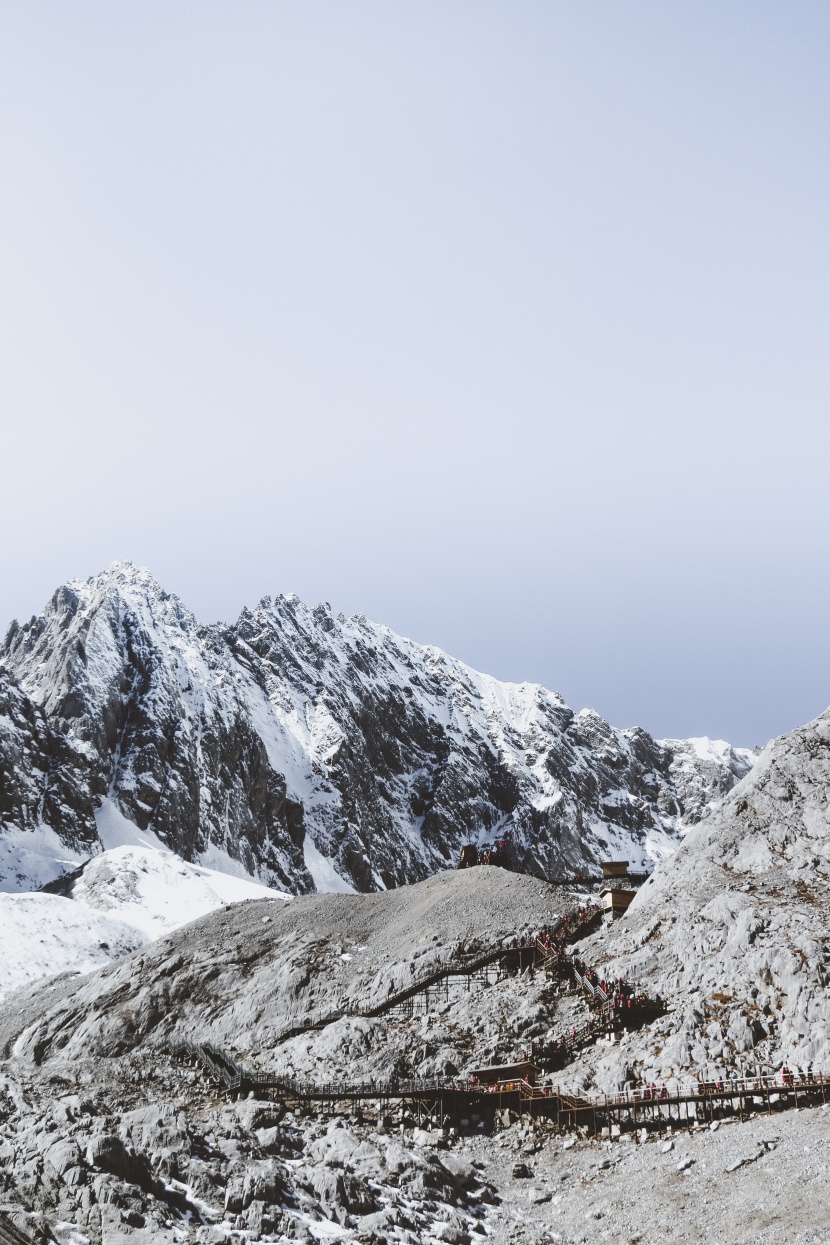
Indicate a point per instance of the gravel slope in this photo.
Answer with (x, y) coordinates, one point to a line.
(732, 931)
(763, 1182)
(241, 974)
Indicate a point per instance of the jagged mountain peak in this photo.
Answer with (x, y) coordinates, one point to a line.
(78, 607)
(132, 582)
(313, 750)
(773, 824)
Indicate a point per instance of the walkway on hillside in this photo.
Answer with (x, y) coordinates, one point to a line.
(513, 955)
(615, 1005)
(460, 1100)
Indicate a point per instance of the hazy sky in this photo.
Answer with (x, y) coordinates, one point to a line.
(504, 323)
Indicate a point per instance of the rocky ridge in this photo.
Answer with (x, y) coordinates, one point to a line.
(311, 751)
(733, 931)
(109, 1137)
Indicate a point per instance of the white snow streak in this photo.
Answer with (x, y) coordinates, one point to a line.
(326, 878)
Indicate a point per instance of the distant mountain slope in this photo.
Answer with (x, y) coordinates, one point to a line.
(125, 897)
(310, 751)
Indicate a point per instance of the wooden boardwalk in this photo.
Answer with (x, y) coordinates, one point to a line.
(509, 956)
(460, 1101)
(701, 1102)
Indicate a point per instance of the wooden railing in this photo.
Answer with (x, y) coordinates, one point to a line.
(456, 966)
(574, 924)
(550, 1099)
(619, 1002)
(549, 949)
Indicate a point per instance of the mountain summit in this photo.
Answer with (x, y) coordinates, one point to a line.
(309, 751)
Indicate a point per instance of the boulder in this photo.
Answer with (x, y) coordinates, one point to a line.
(108, 1153)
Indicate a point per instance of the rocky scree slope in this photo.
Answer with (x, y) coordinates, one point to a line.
(734, 931)
(104, 1135)
(311, 751)
(242, 975)
(147, 1155)
(144, 1154)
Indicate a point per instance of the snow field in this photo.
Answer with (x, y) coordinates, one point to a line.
(124, 898)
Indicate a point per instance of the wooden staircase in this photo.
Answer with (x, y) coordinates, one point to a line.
(10, 1235)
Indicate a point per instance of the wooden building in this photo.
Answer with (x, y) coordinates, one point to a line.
(615, 901)
(617, 890)
(615, 873)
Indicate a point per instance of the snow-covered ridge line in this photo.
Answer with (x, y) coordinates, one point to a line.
(311, 751)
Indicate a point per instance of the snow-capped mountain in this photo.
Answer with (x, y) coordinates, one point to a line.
(309, 751)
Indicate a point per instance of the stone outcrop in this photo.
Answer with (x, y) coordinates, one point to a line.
(732, 929)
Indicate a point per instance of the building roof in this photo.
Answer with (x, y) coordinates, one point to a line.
(614, 868)
(506, 1072)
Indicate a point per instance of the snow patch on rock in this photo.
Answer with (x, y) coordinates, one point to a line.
(30, 859)
(115, 830)
(326, 878)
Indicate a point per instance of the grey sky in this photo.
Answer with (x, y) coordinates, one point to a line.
(506, 324)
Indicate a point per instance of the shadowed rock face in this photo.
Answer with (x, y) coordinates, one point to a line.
(316, 750)
(45, 781)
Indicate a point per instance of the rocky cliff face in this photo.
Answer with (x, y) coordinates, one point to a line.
(310, 751)
(732, 931)
(47, 793)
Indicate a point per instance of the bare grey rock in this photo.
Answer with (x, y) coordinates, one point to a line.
(731, 930)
